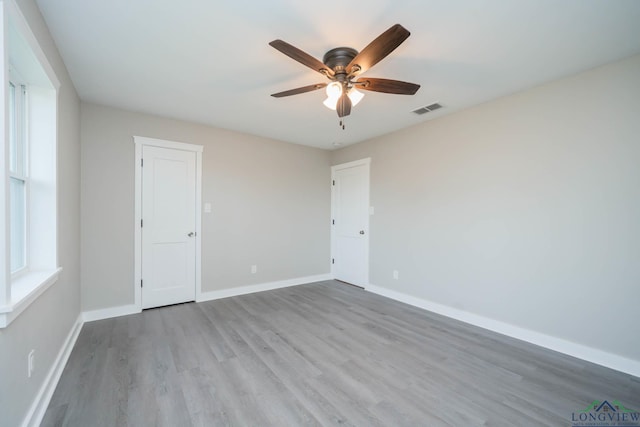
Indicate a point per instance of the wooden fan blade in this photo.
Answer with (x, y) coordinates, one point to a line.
(387, 86)
(299, 90)
(302, 57)
(343, 107)
(378, 49)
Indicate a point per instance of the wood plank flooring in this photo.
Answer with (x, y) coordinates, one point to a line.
(318, 354)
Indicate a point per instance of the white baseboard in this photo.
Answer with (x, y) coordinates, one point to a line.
(41, 402)
(107, 313)
(600, 357)
(243, 290)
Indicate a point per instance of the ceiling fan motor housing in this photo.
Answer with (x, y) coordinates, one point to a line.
(338, 58)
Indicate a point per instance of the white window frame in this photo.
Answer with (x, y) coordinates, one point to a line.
(19, 47)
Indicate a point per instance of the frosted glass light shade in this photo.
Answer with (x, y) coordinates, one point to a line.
(334, 92)
(355, 96)
(330, 103)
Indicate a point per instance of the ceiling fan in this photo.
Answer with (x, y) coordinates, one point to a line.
(342, 65)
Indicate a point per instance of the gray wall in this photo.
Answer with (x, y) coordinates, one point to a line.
(46, 323)
(524, 210)
(270, 199)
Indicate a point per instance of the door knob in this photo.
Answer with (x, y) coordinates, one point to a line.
(191, 234)
(361, 231)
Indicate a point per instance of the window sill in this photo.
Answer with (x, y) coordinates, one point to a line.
(24, 291)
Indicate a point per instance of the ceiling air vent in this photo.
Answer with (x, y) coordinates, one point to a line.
(428, 108)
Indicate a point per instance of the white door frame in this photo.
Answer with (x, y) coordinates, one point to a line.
(362, 162)
(139, 142)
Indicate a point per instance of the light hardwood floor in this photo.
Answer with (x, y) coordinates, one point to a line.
(318, 354)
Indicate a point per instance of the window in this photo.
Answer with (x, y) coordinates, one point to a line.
(28, 196)
(18, 179)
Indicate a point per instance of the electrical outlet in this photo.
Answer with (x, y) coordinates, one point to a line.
(31, 363)
(395, 274)
(254, 269)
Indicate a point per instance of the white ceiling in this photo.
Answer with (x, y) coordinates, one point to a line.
(209, 61)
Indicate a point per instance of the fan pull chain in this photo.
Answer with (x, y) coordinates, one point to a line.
(341, 124)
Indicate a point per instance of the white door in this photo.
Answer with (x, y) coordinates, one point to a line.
(168, 226)
(350, 222)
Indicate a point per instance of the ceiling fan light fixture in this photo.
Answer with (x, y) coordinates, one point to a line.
(334, 92)
(331, 103)
(355, 96)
